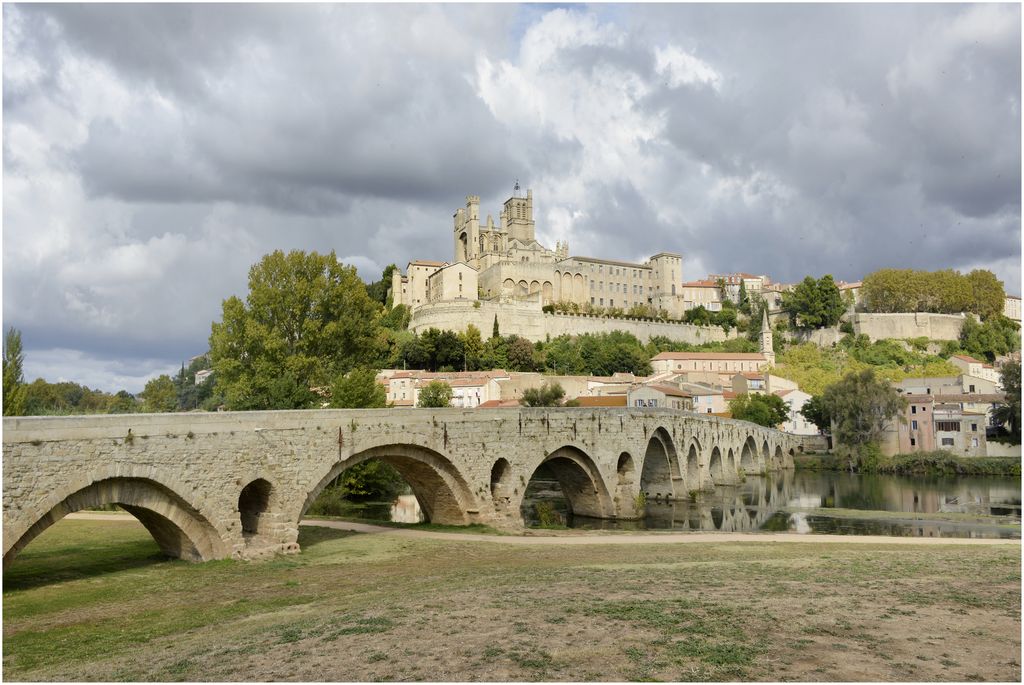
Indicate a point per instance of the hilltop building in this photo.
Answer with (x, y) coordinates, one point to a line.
(505, 260)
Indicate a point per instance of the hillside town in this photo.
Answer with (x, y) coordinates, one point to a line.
(501, 272)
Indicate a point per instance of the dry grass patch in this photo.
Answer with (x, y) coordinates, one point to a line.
(92, 600)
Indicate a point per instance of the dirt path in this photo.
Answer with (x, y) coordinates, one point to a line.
(612, 538)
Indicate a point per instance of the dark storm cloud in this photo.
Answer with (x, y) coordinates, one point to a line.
(153, 152)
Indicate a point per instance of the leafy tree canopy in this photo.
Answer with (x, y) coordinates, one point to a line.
(436, 394)
(358, 389)
(994, 337)
(942, 292)
(814, 303)
(814, 411)
(547, 395)
(14, 379)
(1008, 413)
(306, 319)
(862, 407)
(764, 410)
(159, 395)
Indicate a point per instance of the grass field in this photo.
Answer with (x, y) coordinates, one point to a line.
(92, 600)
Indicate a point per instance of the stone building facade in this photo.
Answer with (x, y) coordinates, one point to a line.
(503, 262)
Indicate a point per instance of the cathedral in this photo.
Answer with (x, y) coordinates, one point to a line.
(504, 262)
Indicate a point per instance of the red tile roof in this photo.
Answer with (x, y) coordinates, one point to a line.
(602, 401)
(669, 390)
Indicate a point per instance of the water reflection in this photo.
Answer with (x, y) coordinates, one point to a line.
(773, 503)
(406, 509)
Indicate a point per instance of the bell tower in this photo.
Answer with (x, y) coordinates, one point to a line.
(519, 216)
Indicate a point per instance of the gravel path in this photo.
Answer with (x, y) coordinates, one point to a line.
(609, 537)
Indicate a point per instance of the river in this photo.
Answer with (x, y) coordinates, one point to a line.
(801, 502)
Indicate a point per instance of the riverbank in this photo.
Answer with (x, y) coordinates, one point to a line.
(936, 463)
(92, 600)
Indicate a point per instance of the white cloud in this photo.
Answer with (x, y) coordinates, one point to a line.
(682, 68)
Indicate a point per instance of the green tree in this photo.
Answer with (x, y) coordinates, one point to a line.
(814, 303)
(987, 294)
(14, 379)
(698, 316)
(862, 407)
(815, 412)
(358, 389)
(744, 298)
(992, 338)
(397, 318)
(159, 395)
(371, 480)
(1008, 413)
(473, 347)
(520, 354)
(944, 292)
(436, 394)
(379, 290)
(494, 329)
(547, 395)
(307, 319)
(764, 410)
(449, 352)
(123, 403)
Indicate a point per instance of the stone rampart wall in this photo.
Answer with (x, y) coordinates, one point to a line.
(528, 320)
(909, 325)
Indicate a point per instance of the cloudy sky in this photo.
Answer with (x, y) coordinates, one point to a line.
(151, 154)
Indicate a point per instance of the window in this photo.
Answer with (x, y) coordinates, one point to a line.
(913, 442)
(974, 442)
(913, 425)
(591, 283)
(591, 299)
(971, 389)
(947, 442)
(947, 426)
(611, 303)
(602, 301)
(974, 428)
(709, 410)
(913, 410)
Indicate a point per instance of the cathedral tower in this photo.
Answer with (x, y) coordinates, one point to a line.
(518, 216)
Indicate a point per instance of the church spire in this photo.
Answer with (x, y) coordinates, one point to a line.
(767, 349)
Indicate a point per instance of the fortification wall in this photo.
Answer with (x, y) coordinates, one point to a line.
(909, 325)
(528, 320)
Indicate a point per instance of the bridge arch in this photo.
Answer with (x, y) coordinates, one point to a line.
(501, 480)
(660, 465)
(692, 478)
(253, 506)
(178, 527)
(580, 480)
(766, 455)
(780, 459)
(443, 493)
(715, 467)
(748, 455)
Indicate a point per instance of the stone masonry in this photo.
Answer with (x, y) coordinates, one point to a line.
(236, 484)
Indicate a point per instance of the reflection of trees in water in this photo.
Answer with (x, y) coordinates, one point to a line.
(756, 503)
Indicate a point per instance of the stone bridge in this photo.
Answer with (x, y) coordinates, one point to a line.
(236, 484)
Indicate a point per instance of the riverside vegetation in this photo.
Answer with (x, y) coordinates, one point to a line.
(91, 600)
